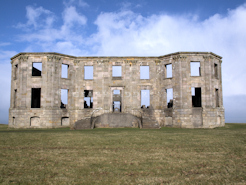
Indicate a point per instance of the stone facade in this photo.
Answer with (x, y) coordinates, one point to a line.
(196, 101)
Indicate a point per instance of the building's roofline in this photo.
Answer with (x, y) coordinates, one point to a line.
(168, 55)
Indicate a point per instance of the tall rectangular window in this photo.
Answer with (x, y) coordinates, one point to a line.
(36, 68)
(196, 94)
(88, 99)
(36, 97)
(169, 70)
(215, 70)
(169, 93)
(144, 72)
(145, 99)
(64, 73)
(217, 97)
(64, 98)
(88, 72)
(116, 71)
(15, 98)
(15, 71)
(195, 69)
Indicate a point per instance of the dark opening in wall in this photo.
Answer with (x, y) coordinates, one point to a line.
(15, 71)
(64, 73)
(145, 99)
(196, 96)
(15, 98)
(169, 93)
(36, 68)
(13, 120)
(144, 72)
(88, 99)
(215, 70)
(64, 98)
(195, 69)
(88, 72)
(36, 96)
(217, 97)
(116, 71)
(168, 70)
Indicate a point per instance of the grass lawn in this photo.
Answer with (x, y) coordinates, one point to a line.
(123, 156)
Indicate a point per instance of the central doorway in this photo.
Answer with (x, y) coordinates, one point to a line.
(116, 99)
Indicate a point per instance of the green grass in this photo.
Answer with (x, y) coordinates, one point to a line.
(123, 156)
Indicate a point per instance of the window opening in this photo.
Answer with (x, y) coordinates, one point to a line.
(64, 73)
(144, 72)
(116, 71)
(196, 96)
(64, 98)
(15, 72)
(88, 72)
(215, 70)
(169, 97)
(169, 71)
(145, 99)
(36, 68)
(15, 98)
(217, 97)
(88, 99)
(36, 97)
(195, 69)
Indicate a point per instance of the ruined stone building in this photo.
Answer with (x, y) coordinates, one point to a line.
(181, 89)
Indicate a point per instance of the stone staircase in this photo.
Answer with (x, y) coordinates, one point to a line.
(83, 124)
(150, 123)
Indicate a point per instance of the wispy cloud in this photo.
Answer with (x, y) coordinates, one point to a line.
(79, 3)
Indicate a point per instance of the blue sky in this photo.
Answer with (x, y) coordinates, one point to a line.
(128, 28)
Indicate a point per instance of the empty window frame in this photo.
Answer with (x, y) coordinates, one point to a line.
(36, 68)
(15, 98)
(169, 93)
(216, 71)
(64, 72)
(116, 71)
(145, 98)
(36, 97)
(15, 71)
(88, 72)
(64, 98)
(169, 70)
(217, 98)
(88, 99)
(195, 69)
(144, 72)
(196, 94)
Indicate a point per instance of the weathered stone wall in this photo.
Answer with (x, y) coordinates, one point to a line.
(181, 114)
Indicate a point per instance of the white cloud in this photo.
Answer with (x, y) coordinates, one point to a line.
(37, 18)
(71, 17)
